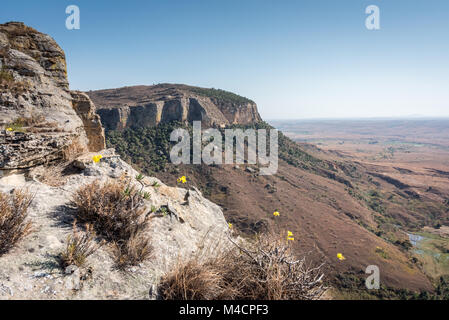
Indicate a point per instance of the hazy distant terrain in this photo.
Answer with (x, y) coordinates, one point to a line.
(413, 153)
(424, 141)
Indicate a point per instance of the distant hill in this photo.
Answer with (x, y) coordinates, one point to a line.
(146, 106)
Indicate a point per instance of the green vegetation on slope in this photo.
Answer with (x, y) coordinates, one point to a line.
(148, 149)
(221, 95)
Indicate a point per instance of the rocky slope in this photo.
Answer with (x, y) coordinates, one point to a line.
(331, 204)
(145, 106)
(31, 271)
(46, 131)
(36, 103)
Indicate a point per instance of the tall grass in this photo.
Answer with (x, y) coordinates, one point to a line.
(14, 224)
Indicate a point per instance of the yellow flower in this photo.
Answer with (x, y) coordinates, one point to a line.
(276, 214)
(182, 179)
(97, 158)
(291, 239)
(340, 256)
(9, 129)
(230, 225)
(290, 236)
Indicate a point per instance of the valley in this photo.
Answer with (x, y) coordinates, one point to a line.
(412, 155)
(361, 201)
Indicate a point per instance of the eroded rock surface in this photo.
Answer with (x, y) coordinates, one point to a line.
(31, 270)
(86, 110)
(37, 118)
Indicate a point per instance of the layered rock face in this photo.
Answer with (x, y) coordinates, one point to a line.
(86, 110)
(31, 270)
(42, 120)
(145, 106)
(37, 118)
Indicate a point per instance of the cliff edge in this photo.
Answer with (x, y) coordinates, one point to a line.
(147, 106)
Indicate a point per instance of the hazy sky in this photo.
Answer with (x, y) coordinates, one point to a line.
(296, 59)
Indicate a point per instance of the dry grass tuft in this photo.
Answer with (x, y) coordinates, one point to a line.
(192, 281)
(74, 149)
(263, 270)
(13, 218)
(116, 211)
(114, 208)
(133, 251)
(6, 78)
(79, 247)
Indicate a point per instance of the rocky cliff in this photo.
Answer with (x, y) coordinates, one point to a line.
(46, 131)
(31, 270)
(145, 106)
(38, 112)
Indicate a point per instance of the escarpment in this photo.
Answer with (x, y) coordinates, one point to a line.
(52, 144)
(146, 106)
(38, 112)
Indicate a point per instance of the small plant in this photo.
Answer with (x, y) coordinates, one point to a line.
(79, 247)
(34, 123)
(381, 252)
(74, 149)
(15, 126)
(13, 218)
(163, 211)
(133, 251)
(156, 184)
(116, 211)
(5, 76)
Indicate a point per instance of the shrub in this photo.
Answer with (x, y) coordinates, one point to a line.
(13, 218)
(8, 82)
(35, 124)
(79, 247)
(114, 208)
(133, 251)
(116, 211)
(74, 149)
(263, 270)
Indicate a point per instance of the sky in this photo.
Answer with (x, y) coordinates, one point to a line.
(296, 59)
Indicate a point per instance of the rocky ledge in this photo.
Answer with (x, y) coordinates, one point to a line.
(31, 270)
(39, 115)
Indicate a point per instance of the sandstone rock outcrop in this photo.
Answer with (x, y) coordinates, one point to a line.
(31, 270)
(41, 120)
(86, 110)
(146, 106)
(37, 118)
